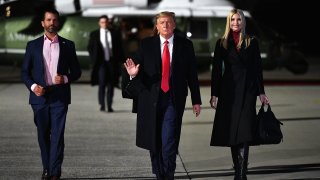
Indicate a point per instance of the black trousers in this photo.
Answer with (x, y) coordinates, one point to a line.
(106, 80)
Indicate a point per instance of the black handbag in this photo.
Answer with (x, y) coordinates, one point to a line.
(267, 128)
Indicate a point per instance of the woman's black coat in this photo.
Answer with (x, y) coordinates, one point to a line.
(236, 81)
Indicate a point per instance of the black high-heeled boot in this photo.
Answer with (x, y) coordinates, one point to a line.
(243, 153)
(234, 153)
(240, 155)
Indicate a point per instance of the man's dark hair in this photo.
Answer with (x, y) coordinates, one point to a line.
(104, 17)
(51, 10)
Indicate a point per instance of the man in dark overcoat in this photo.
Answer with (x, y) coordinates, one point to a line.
(160, 88)
(105, 50)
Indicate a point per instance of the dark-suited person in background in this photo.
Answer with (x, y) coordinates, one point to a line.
(49, 66)
(105, 50)
(237, 86)
(160, 75)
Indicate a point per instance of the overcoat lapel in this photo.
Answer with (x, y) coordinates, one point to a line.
(242, 53)
(157, 50)
(233, 50)
(175, 51)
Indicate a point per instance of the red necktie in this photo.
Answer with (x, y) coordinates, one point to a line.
(165, 68)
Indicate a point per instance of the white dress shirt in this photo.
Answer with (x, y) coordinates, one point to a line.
(170, 45)
(107, 46)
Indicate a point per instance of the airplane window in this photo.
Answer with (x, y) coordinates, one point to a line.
(198, 28)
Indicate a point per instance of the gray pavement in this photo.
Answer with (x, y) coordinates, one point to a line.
(102, 145)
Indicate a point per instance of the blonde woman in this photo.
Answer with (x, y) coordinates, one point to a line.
(236, 82)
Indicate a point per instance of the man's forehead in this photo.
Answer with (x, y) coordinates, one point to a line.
(165, 18)
(103, 20)
(48, 14)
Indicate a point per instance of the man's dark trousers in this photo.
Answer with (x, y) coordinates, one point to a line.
(50, 120)
(106, 79)
(164, 161)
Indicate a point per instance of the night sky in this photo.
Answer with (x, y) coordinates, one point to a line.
(295, 21)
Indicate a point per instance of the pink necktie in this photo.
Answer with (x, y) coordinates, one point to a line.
(165, 68)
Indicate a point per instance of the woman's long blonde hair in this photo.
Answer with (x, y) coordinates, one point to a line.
(243, 36)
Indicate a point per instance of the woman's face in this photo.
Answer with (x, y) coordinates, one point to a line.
(236, 23)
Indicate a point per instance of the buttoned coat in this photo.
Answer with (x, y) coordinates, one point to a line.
(237, 81)
(145, 88)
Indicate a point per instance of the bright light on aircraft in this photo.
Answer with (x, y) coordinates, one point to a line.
(189, 34)
(8, 11)
(134, 30)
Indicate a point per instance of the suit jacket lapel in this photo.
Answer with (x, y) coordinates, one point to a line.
(40, 53)
(39, 57)
(62, 48)
(98, 38)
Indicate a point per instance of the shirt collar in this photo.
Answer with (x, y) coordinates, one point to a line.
(170, 40)
(104, 30)
(55, 38)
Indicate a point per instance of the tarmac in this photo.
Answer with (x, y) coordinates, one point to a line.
(276, 76)
(101, 145)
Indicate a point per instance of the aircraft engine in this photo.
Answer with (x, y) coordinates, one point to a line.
(67, 6)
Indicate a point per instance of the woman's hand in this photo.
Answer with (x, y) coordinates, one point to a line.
(264, 99)
(131, 68)
(213, 102)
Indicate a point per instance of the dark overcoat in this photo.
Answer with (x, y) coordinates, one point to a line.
(96, 54)
(145, 88)
(236, 81)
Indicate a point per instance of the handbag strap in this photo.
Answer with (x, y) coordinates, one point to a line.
(268, 110)
(262, 107)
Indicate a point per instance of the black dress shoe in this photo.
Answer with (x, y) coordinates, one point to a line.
(102, 108)
(160, 177)
(45, 175)
(110, 110)
(55, 178)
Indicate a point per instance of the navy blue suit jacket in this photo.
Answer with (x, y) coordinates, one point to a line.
(33, 70)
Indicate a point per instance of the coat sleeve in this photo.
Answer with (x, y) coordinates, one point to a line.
(132, 88)
(193, 81)
(258, 66)
(216, 74)
(128, 90)
(90, 46)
